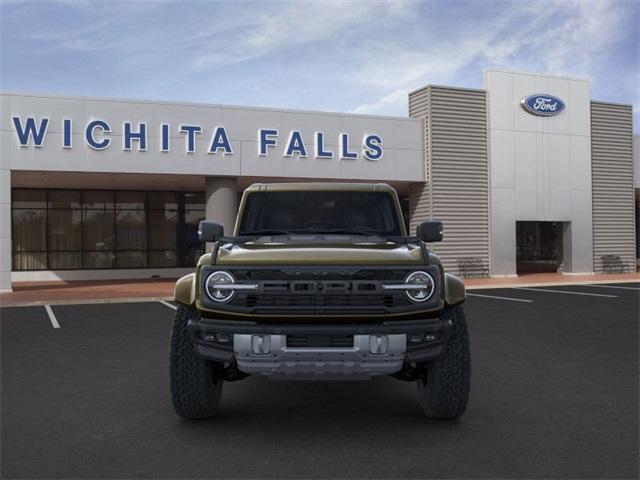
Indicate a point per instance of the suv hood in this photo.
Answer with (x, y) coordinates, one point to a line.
(319, 250)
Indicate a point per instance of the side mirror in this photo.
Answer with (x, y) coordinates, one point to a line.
(431, 231)
(209, 231)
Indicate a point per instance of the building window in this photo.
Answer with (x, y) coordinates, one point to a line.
(64, 230)
(162, 220)
(97, 229)
(131, 230)
(29, 227)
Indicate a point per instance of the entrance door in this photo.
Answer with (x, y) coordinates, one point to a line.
(538, 247)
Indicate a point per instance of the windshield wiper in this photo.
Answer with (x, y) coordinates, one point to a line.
(369, 233)
(267, 231)
(349, 231)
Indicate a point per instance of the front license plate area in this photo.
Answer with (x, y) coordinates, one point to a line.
(319, 341)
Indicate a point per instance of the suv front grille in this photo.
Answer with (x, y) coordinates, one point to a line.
(326, 300)
(307, 290)
(320, 290)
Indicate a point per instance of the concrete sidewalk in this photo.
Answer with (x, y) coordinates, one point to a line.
(40, 293)
(550, 279)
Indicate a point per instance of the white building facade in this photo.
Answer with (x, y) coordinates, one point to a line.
(99, 188)
(540, 166)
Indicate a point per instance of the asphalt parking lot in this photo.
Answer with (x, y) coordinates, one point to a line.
(554, 395)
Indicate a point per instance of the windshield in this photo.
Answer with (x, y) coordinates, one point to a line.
(368, 213)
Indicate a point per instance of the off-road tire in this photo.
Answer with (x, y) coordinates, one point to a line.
(444, 391)
(195, 387)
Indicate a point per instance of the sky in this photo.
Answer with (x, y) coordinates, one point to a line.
(344, 56)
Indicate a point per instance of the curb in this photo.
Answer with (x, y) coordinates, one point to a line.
(40, 303)
(550, 284)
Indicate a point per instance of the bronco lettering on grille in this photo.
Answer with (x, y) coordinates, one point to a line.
(320, 287)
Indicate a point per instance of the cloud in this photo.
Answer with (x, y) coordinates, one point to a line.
(394, 103)
(291, 25)
(575, 43)
(360, 56)
(565, 37)
(102, 28)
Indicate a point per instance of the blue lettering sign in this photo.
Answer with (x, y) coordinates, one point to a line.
(320, 151)
(219, 140)
(164, 137)
(67, 133)
(345, 154)
(140, 136)
(97, 133)
(29, 131)
(372, 147)
(264, 140)
(191, 131)
(89, 132)
(295, 145)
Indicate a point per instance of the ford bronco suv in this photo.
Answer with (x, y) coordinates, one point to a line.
(319, 281)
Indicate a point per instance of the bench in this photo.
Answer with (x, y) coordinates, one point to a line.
(613, 264)
(472, 267)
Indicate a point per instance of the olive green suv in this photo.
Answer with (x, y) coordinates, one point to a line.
(320, 281)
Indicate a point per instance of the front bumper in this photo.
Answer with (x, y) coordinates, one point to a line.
(365, 350)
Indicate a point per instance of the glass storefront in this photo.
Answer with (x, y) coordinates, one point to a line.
(93, 229)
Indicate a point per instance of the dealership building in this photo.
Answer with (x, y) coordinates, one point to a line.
(527, 174)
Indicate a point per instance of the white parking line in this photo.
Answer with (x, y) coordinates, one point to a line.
(167, 304)
(566, 291)
(612, 286)
(52, 317)
(499, 298)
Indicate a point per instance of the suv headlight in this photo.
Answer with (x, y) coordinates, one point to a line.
(215, 286)
(425, 286)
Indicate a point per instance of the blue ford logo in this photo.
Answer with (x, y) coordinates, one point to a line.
(540, 104)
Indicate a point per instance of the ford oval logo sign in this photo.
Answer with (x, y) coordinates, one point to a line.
(544, 105)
